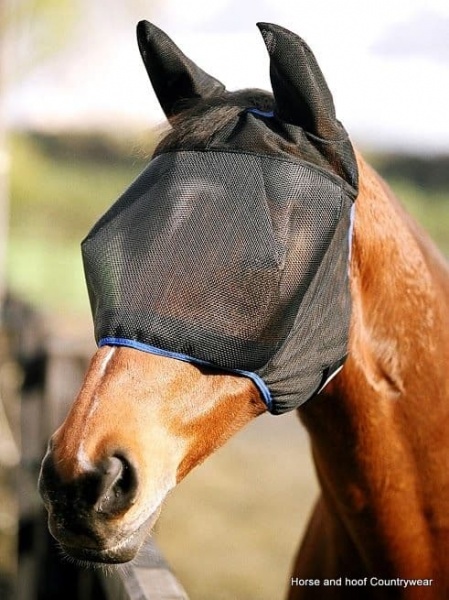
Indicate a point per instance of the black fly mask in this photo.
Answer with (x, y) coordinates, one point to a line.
(232, 250)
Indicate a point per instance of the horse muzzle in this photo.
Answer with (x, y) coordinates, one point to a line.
(86, 514)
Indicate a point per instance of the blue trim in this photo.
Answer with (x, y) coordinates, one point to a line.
(258, 381)
(262, 113)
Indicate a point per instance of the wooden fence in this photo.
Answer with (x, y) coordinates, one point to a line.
(52, 372)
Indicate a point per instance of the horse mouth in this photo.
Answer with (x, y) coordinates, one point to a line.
(121, 552)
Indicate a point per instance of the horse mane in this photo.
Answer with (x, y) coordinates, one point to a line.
(197, 120)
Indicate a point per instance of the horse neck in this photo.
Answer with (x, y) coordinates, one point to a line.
(378, 431)
(400, 291)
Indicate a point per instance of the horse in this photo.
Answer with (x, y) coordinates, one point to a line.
(377, 422)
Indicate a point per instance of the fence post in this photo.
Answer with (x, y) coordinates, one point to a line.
(148, 577)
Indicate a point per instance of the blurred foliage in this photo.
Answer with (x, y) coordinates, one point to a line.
(61, 184)
(66, 183)
(58, 190)
(430, 207)
(422, 185)
(425, 172)
(34, 30)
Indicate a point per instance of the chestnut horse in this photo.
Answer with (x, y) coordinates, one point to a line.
(379, 430)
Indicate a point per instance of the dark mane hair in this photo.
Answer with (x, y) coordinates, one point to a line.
(197, 120)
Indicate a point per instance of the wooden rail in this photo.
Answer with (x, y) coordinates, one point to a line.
(53, 371)
(148, 577)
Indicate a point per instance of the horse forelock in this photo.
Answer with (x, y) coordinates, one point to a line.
(199, 119)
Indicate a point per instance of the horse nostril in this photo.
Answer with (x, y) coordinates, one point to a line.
(117, 485)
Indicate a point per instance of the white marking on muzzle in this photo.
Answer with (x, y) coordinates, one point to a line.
(106, 360)
(81, 456)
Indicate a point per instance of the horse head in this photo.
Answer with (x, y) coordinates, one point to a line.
(140, 423)
(199, 335)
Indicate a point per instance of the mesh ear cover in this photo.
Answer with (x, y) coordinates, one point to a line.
(233, 253)
(173, 75)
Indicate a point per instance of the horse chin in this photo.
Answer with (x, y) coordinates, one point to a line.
(122, 552)
(89, 557)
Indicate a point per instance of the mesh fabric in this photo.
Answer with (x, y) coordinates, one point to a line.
(235, 259)
(231, 249)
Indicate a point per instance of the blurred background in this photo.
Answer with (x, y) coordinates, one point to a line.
(78, 120)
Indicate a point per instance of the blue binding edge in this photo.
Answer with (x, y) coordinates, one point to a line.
(258, 381)
(262, 113)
